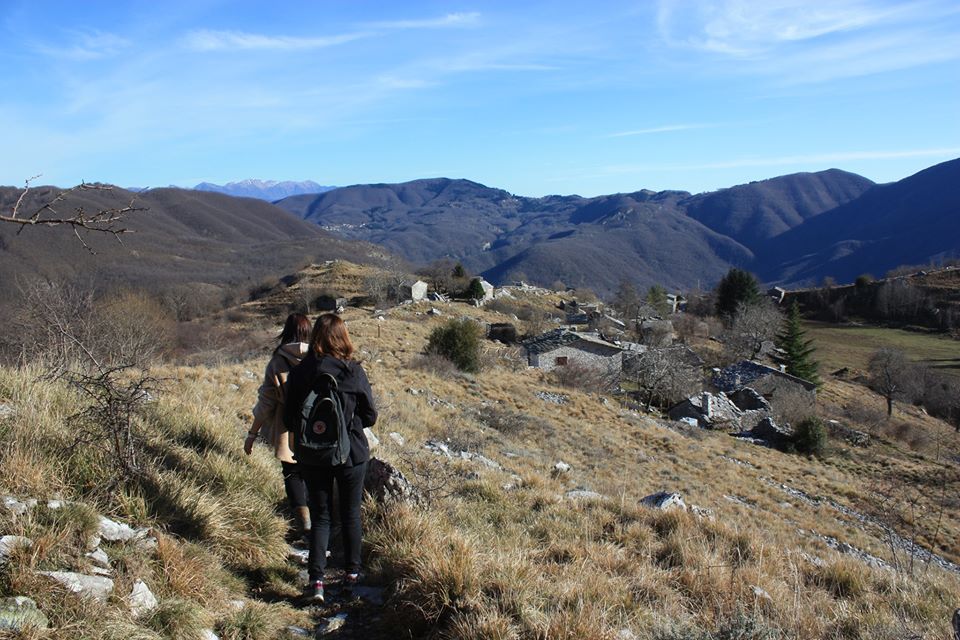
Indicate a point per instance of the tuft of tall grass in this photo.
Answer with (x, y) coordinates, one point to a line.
(188, 571)
(178, 620)
(254, 621)
(843, 578)
(482, 625)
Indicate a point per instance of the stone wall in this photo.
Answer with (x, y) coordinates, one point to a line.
(581, 354)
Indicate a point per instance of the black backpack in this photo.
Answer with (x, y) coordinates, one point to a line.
(323, 437)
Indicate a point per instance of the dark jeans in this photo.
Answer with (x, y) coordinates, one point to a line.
(294, 485)
(320, 490)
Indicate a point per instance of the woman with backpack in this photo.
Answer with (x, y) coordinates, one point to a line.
(268, 413)
(329, 403)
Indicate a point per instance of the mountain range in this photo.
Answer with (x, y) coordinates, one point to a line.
(269, 190)
(790, 230)
(213, 244)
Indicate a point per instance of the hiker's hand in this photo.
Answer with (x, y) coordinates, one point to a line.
(248, 443)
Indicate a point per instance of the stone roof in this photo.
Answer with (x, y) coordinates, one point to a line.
(562, 337)
(743, 373)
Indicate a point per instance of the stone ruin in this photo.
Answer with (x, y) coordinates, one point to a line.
(738, 411)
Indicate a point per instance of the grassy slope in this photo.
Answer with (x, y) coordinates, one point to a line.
(612, 563)
(846, 346)
(501, 553)
(527, 563)
(212, 510)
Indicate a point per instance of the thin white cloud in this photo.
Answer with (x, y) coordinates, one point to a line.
(864, 56)
(846, 38)
(451, 20)
(664, 129)
(749, 27)
(213, 40)
(93, 45)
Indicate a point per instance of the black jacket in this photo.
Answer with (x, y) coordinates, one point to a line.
(354, 390)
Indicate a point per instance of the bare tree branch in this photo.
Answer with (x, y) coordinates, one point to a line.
(106, 221)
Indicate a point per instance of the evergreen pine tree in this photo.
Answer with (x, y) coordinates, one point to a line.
(657, 298)
(475, 290)
(799, 350)
(736, 288)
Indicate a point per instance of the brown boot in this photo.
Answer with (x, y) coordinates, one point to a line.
(303, 522)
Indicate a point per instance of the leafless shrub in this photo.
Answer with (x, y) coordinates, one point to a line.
(688, 326)
(264, 288)
(54, 320)
(114, 397)
(101, 348)
(212, 342)
(586, 378)
(132, 328)
(504, 420)
(663, 375)
(435, 364)
(752, 327)
(790, 405)
(434, 477)
(869, 417)
(189, 301)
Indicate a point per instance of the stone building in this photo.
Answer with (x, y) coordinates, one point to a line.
(562, 347)
(413, 290)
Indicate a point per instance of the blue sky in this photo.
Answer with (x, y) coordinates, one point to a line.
(532, 97)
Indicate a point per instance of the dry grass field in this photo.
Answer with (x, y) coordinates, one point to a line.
(503, 550)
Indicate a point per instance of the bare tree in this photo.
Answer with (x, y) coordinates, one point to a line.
(627, 300)
(48, 214)
(752, 326)
(386, 284)
(889, 375)
(663, 374)
(439, 274)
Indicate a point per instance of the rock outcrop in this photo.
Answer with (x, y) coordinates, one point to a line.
(385, 482)
(18, 614)
(96, 587)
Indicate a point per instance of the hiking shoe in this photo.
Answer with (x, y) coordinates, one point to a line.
(314, 591)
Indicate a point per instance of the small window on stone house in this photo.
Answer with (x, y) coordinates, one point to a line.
(561, 361)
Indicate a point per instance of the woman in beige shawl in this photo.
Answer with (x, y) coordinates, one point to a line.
(268, 414)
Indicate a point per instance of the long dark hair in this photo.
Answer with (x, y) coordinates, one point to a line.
(295, 329)
(330, 337)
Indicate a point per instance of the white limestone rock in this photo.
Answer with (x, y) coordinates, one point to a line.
(141, 600)
(96, 587)
(332, 625)
(100, 558)
(582, 494)
(113, 531)
(664, 501)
